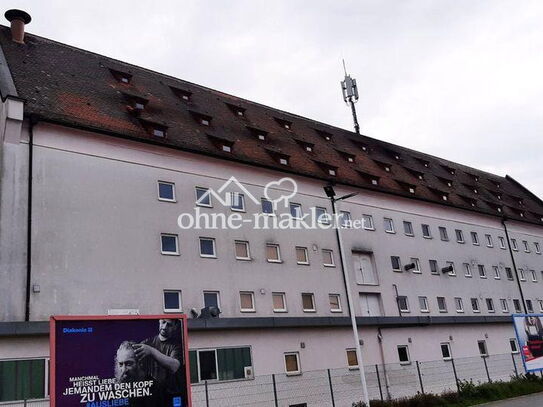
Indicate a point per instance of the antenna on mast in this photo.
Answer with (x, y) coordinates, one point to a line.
(350, 95)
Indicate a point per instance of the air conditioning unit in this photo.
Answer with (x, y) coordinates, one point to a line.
(409, 266)
(249, 373)
(448, 269)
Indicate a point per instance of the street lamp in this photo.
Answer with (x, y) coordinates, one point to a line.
(330, 193)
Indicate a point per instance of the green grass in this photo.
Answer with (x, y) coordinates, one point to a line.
(470, 394)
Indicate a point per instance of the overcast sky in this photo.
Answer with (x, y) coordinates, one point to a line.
(459, 79)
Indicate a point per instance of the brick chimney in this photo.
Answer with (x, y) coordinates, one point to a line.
(18, 20)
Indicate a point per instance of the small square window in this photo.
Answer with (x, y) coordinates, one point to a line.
(367, 222)
(459, 236)
(296, 210)
(279, 302)
(443, 234)
(389, 225)
(203, 197)
(166, 191)
(426, 233)
(459, 304)
(446, 351)
(482, 348)
(207, 247)
(242, 250)
(247, 301)
(352, 359)
(423, 304)
(489, 242)
(292, 363)
(396, 263)
(237, 202)
(475, 238)
(467, 270)
(403, 354)
(267, 206)
(403, 304)
(408, 228)
(434, 269)
(273, 255)
(211, 299)
(301, 256)
(441, 304)
(169, 244)
(172, 301)
(335, 302)
(475, 305)
(328, 258)
(308, 302)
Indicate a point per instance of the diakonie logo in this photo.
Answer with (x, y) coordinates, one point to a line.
(277, 196)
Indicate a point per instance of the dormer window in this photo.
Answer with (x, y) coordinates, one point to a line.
(329, 169)
(138, 103)
(325, 135)
(407, 187)
(237, 110)
(182, 94)
(450, 170)
(416, 174)
(201, 118)
(383, 165)
(424, 162)
(283, 160)
(222, 144)
(227, 148)
(369, 178)
(445, 197)
(284, 123)
(347, 156)
(122, 77)
(154, 129)
(306, 146)
(446, 181)
(259, 134)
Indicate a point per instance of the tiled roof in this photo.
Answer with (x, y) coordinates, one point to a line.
(74, 87)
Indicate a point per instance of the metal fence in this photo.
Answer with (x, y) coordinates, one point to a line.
(341, 387)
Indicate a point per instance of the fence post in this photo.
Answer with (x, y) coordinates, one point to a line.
(514, 364)
(274, 391)
(331, 388)
(379, 381)
(420, 377)
(486, 368)
(207, 395)
(455, 375)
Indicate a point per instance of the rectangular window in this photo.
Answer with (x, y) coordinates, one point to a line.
(301, 255)
(247, 301)
(514, 244)
(489, 242)
(490, 305)
(166, 191)
(345, 219)
(416, 262)
(328, 258)
(403, 304)
(242, 250)
(273, 255)
(452, 271)
(267, 206)
(502, 242)
(308, 302)
(423, 304)
(296, 210)
(237, 202)
(509, 273)
(446, 351)
(367, 222)
(504, 305)
(203, 197)
(496, 272)
(529, 306)
(467, 270)
(482, 270)
(219, 364)
(172, 301)
(540, 305)
(279, 302)
(211, 299)
(389, 225)
(403, 354)
(292, 363)
(168, 244)
(426, 233)
(433, 267)
(207, 247)
(516, 305)
(459, 236)
(534, 276)
(475, 238)
(441, 304)
(459, 304)
(321, 214)
(522, 275)
(443, 234)
(396, 264)
(23, 379)
(408, 228)
(335, 302)
(514, 345)
(526, 247)
(537, 248)
(482, 348)
(475, 305)
(352, 359)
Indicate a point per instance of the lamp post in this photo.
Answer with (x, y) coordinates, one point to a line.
(330, 193)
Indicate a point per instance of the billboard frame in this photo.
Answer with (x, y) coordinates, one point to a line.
(519, 342)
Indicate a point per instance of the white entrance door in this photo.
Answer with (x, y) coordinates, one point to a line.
(371, 304)
(363, 269)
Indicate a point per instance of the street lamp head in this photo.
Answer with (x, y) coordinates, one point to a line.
(329, 191)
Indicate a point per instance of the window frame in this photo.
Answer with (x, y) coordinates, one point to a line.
(399, 300)
(277, 250)
(169, 253)
(475, 238)
(405, 362)
(216, 292)
(526, 246)
(501, 239)
(448, 346)
(209, 197)
(416, 261)
(172, 185)
(467, 270)
(518, 309)
(367, 219)
(537, 247)
(483, 342)
(489, 302)
(241, 199)
(442, 310)
(352, 367)
(338, 296)
(425, 301)
(324, 213)
(516, 348)
(408, 225)
(482, 271)
(312, 296)
(209, 256)
(284, 298)
(426, 231)
(432, 263)
(390, 230)
(298, 365)
(503, 301)
(247, 246)
(306, 255)
(252, 295)
(179, 299)
(262, 200)
(459, 233)
(399, 268)
(514, 244)
(453, 272)
(459, 301)
(489, 241)
(497, 275)
(475, 301)
(293, 205)
(332, 264)
(443, 234)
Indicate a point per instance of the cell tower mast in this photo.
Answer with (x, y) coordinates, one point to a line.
(350, 95)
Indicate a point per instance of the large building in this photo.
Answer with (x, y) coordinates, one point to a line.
(99, 158)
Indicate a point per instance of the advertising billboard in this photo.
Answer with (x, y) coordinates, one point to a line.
(529, 329)
(137, 361)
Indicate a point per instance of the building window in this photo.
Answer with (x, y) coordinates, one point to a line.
(509, 273)
(416, 262)
(242, 250)
(389, 225)
(459, 304)
(526, 247)
(247, 301)
(489, 242)
(296, 210)
(522, 274)
(345, 219)
(534, 276)
(537, 248)
(367, 222)
(403, 304)
(482, 270)
(301, 255)
(283, 160)
(502, 242)
(211, 299)
(322, 215)
(475, 238)
(540, 305)
(237, 202)
(459, 236)
(516, 305)
(403, 354)
(504, 305)
(328, 258)
(467, 270)
(267, 206)
(169, 244)
(450, 266)
(514, 345)
(433, 267)
(423, 304)
(408, 228)
(441, 304)
(279, 302)
(475, 305)
(203, 197)
(219, 364)
(514, 244)
(335, 302)
(172, 301)
(529, 306)
(426, 233)
(292, 363)
(482, 348)
(490, 305)
(352, 359)
(207, 247)
(273, 254)
(166, 191)
(308, 302)
(446, 351)
(443, 234)
(23, 379)
(396, 264)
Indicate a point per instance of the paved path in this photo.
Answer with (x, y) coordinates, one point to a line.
(532, 400)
